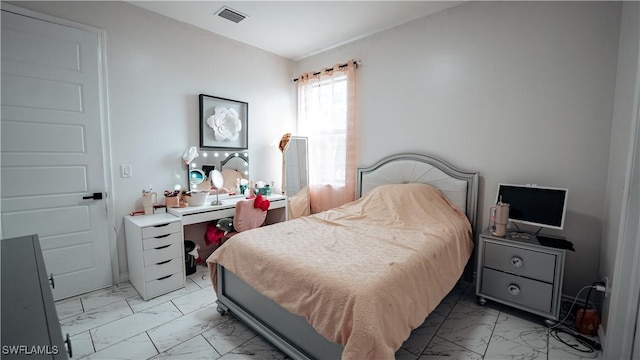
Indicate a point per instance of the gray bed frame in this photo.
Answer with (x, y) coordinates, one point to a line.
(292, 334)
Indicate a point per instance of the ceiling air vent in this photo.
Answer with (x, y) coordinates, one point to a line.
(231, 15)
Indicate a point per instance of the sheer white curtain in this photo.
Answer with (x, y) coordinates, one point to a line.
(326, 116)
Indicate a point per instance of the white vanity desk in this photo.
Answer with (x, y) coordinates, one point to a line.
(155, 249)
(202, 214)
(194, 219)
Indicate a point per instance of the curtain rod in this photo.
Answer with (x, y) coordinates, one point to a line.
(355, 62)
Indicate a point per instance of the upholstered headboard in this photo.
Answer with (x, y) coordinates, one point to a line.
(461, 187)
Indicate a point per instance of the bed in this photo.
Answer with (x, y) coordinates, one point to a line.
(354, 281)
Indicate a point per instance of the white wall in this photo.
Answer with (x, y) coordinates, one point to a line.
(520, 91)
(156, 69)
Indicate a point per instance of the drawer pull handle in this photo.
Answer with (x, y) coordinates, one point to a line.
(163, 262)
(163, 247)
(68, 343)
(517, 261)
(161, 225)
(165, 277)
(162, 236)
(514, 289)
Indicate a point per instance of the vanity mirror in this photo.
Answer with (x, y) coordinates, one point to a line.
(296, 177)
(234, 166)
(216, 181)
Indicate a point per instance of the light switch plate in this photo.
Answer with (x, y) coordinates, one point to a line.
(125, 171)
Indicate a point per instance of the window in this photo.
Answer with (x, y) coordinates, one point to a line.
(326, 117)
(323, 120)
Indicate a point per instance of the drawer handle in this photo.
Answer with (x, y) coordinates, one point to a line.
(514, 289)
(164, 262)
(162, 236)
(161, 225)
(517, 261)
(163, 247)
(68, 343)
(165, 277)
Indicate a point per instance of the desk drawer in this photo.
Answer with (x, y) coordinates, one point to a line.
(164, 268)
(163, 253)
(165, 284)
(277, 204)
(162, 240)
(159, 230)
(524, 262)
(208, 216)
(517, 290)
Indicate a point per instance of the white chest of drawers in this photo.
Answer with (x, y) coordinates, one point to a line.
(520, 273)
(155, 253)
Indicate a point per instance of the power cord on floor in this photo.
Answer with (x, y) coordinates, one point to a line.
(575, 341)
(590, 346)
(571, 307)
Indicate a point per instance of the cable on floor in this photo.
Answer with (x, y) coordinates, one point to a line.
(576, 342)
(581, 343)
(571, 307)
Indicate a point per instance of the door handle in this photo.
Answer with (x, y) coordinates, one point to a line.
(94, 196)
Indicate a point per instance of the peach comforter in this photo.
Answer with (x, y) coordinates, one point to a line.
(364, 274)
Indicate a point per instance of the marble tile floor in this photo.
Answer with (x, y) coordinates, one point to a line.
(115, 323)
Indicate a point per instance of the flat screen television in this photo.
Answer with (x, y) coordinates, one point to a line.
(535, 205)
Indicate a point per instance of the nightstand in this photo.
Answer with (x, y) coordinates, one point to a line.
(520, 272)
(155, 253)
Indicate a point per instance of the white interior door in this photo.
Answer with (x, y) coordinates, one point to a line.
(51, 149)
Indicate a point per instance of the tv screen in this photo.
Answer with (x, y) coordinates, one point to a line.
(535, 205)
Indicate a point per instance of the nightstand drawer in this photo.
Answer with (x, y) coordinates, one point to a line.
(516, 260)
(159, 230)
(518, 290)
(166, 252)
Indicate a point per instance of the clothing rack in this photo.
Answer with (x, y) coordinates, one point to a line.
(355, 62)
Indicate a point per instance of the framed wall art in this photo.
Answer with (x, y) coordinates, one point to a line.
(223, 123)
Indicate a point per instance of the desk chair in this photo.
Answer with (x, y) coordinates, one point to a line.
(247, 217)
(249, 214)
